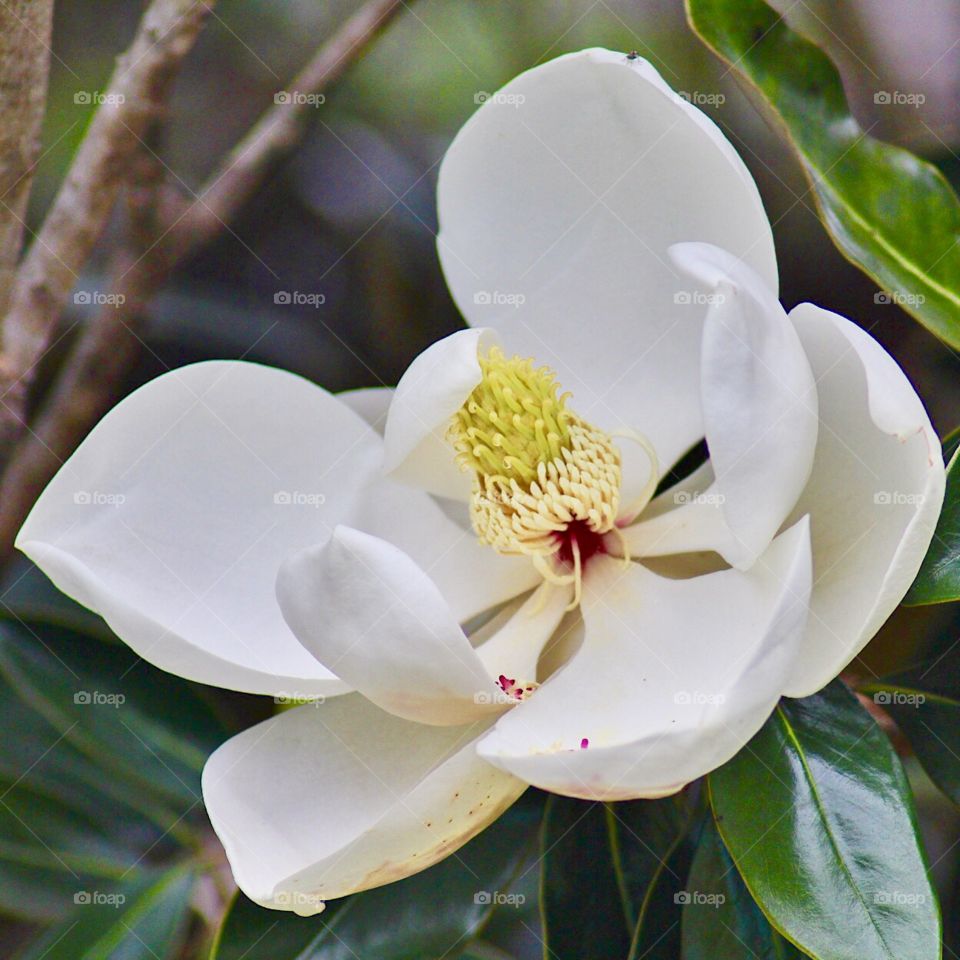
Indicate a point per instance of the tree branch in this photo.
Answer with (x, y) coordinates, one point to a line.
(109, 345)
(50, 269)
(25, 28)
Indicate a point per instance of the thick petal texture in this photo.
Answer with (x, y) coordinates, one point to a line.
(323, 801)
(173, 517)
(429, 393)
(760, 415)
(558, 201)
(873, 497)
(375, 619)
(672, 679)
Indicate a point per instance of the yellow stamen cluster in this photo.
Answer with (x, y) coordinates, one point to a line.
(513, 420)
(537, 466)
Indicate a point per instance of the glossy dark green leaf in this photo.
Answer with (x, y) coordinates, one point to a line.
(583, 913)
(653, 841)
(817, 813)
(429, 915)
(720, 919)
(142, 920)
(939, 578)
(925, 703)
(888, 211)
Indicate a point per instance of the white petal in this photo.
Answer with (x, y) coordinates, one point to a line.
(370, 614)
(370, 403)
(558, 201)
(323, 801)
(165, 520)
(673, 678)
(874, 495)
(514, 649)
(429, 393)
(760, 415)
(472, 577)
(199, 485)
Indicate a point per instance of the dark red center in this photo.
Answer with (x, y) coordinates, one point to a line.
(589, 542)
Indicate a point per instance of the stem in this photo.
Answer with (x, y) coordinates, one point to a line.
(110, 344)
(25, 27)
(134, 97)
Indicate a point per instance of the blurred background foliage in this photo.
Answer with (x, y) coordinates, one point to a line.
(351, 217)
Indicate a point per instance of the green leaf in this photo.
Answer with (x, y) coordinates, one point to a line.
(720, 919)
(146, 726)
(29, 598)
(431, 914)
(891, 213)
(72, 814)
(142, 920)
(581, 901)
(939, 578)
(925, 703)
(817, 814)
(653, 842)
(951, 444)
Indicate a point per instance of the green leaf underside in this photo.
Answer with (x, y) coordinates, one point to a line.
(720, 919)
(144, 919)
(817, 814)
(939, 578)
(889, 212)
(431, 914)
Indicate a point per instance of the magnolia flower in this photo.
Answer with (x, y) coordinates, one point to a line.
(490, 595)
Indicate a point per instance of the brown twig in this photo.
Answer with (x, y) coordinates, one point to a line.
(25, 27)
(110, 343)
(76, 219)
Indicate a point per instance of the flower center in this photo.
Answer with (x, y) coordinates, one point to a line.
(545, 483)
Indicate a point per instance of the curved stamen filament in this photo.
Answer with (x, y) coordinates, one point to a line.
(650, 487)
